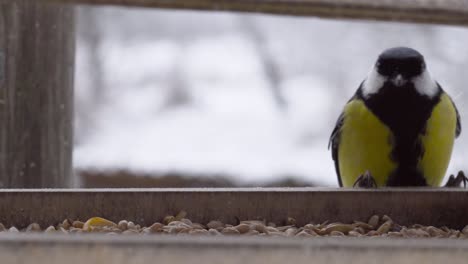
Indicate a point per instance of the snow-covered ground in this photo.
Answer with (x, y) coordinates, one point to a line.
(228, 121)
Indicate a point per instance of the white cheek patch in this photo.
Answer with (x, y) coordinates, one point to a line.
(425, 85)
(372, 84)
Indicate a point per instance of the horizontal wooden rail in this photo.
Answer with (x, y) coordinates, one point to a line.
(91, 249)
(452, 12)
(436, 207)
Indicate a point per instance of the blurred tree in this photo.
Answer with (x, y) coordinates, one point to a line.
(178, 93)
(271, 68)
(90, 35)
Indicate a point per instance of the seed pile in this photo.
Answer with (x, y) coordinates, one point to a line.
(375, 227)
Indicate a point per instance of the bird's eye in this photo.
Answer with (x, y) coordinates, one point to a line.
(407, 67)
(411, 68)
(386, 67)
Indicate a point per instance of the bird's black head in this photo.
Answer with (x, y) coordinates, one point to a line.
(400, 61)
(399, 69)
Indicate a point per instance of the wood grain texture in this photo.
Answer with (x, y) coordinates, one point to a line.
(452, 12)
(49, 248)
(36, 82)
(406, 206)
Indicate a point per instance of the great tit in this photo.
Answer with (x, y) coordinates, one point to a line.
(399, 127)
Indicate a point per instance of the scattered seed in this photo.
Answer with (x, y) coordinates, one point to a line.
(243, 228)
(230, 231)
(343, 228)
(270, 229)
(123, 225)
(303, 233)
(322, 225)
(396, 227)
(446, 229)
(374, 221)
(310, 232)
(34, 227)
(186, 221)
(131, 225)
(198, 232)
(129, 232)
(291, 221)
(156, 228)
(413, 232)
(183, 230)
(76, 230)
(336, 233)
(373, 233)
(360, 230)
(353, 233)
(168, 219)
(77, 224)
(66, 224)
(198, 226)
(385, 227)
(435, 232)
(180, 215)
(394, 234)
(465, 230)
(214, 232)
(284, 228)
(215, 224)
(291, 231)
(252, 233)
(386, 218)
(96, 223)
(180, 225)
(251, 222)
(259, 227)
(50, 229)
(362, 225)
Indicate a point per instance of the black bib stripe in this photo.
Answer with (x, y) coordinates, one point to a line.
(405, 112)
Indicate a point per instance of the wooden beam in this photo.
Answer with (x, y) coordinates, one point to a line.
(452, 12)
(36, 88)
(426, 206)
(142, 249)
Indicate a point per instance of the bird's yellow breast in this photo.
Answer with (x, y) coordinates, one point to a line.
(438, 141)
(365, 144)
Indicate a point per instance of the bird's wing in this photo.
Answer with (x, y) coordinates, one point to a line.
(459, 128)
(334, 143)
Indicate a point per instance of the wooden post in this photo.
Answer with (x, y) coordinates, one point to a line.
(36, 94)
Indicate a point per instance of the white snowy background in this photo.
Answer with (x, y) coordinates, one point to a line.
(253, 97)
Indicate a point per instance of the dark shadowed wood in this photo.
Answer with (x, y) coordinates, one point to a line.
(36, 82)
(437, 207)
(453, 12)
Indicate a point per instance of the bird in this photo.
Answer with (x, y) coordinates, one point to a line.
(398, 129)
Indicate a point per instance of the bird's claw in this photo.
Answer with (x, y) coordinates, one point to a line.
(457, 181)
(365, 181)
